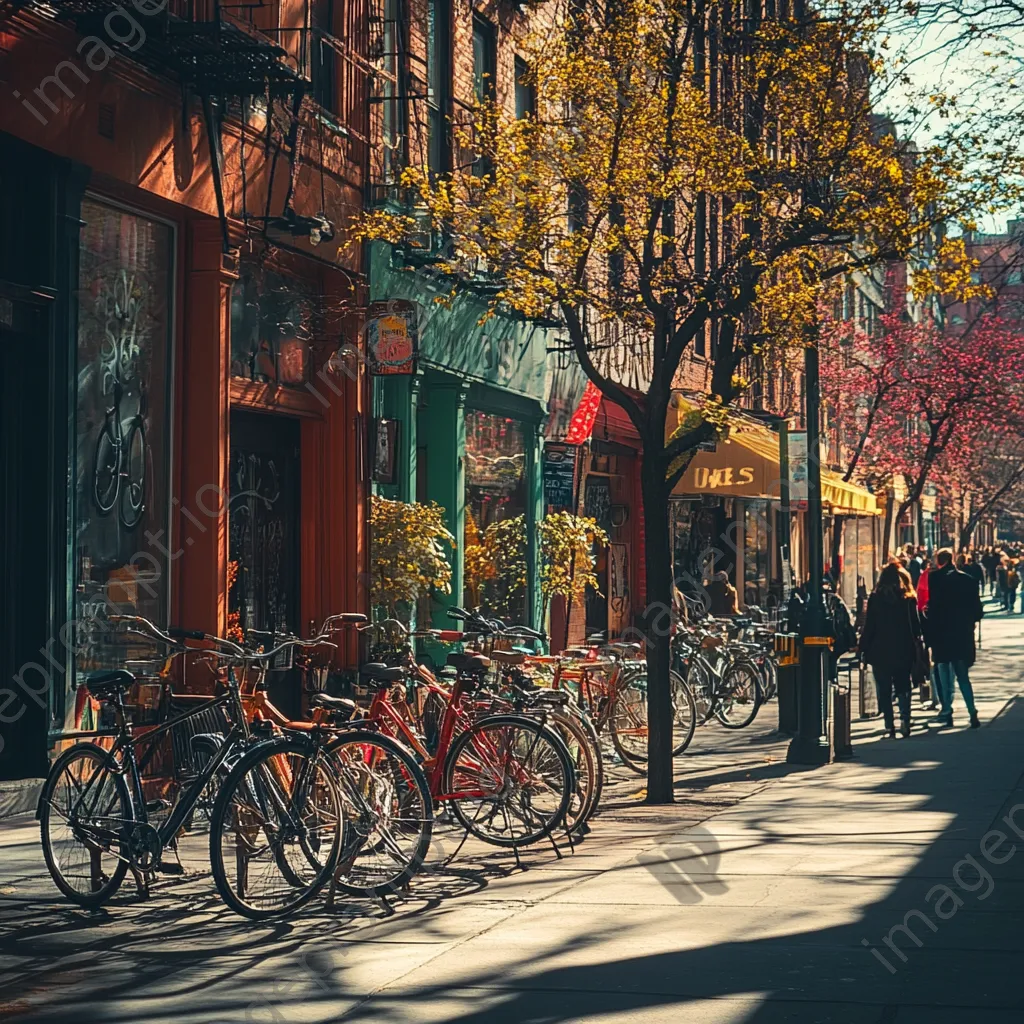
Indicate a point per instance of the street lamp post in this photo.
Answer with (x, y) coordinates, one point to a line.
(811, 744)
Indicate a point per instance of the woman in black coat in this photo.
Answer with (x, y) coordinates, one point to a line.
(889, 642)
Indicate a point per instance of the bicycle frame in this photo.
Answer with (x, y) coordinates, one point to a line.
(383, 714)
(124, 762)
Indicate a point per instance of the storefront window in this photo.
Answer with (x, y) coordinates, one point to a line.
(273, 321)
(755, 553)
(122, 425)
(495, 496)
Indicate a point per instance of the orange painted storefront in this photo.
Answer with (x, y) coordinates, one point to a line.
(136, 149)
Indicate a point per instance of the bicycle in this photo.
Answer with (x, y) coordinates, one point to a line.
(725, 685)
(508, 764)
(386, 799)
(612, 690)
(97, 795)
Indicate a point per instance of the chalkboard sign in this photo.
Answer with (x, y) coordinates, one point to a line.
(597, 501)
(560, 477)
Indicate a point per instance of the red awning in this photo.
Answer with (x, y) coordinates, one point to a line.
(581, 426)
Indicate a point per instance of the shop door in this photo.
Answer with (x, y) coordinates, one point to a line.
(25, 556)
(263, 541)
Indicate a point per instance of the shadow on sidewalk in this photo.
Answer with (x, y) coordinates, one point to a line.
(944, 963)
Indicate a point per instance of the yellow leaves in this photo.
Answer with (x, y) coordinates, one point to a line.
(407, 552)
(567, 560)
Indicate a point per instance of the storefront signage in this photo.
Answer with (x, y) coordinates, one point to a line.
(560, 477)
(391, 337)
(707, 479)
(597, 501)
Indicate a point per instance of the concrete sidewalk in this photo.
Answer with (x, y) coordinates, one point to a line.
(856, 893)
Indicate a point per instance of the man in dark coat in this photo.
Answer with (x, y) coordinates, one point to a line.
(974, 569)
(954, 606)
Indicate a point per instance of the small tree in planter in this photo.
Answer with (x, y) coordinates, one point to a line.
(408, 559)
(505, 545)
(567, 560)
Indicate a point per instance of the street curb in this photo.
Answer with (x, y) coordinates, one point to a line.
(19, 796)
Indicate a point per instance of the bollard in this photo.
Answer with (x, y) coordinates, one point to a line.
(786, 647)
(842, 727)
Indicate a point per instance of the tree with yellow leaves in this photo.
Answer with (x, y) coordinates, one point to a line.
(567, 560)
(695, 173)
(408, 557)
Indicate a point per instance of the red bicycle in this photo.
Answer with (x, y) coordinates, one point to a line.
(507, 778)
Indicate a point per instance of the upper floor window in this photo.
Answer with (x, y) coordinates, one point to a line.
(323, 70)
(485, 59)
(526, 96)
(439, 76)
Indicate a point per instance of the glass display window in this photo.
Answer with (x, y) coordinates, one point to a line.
(495, 512)
(122, 425)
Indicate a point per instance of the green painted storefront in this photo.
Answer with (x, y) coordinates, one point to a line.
(471, 419)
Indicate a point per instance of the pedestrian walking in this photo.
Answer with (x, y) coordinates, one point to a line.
(916, 565)
(1012, 583)
(1002, 576)
(976, 571)
(954, 607)
(890, 641)
(989, 563)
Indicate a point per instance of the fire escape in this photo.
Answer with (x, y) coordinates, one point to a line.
(231, 55)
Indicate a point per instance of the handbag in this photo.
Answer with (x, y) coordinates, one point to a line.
(921, 667)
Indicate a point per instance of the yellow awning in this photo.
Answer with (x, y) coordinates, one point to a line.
(746, 465)
(847, 498)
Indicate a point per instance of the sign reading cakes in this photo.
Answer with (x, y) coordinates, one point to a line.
(391, 337)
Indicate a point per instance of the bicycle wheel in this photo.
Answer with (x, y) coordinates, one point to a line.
(627, 722)
(739, 696)
(628, 718)
(84, 814)
(587, 764)
(106, 468)
(133, 491)
(388, 812)
(508, 780)
(276, 830)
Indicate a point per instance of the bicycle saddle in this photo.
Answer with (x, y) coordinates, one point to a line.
(623, 646)
(597, 638)
(106, 684)
(508, 657)
(381, 673)
(337, 706)
(468, 662)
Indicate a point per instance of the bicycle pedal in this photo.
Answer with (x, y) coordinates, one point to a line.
(171, 869)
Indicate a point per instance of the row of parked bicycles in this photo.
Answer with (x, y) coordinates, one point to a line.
(504, 740)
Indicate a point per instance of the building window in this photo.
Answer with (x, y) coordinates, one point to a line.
(485, 59)
(526, 95)
(122, 426)
(439, 75)
(324, 57)
(273, 321)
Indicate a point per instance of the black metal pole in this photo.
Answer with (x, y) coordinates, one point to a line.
(811, 744)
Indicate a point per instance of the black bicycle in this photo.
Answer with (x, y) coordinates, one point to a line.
(95, 820)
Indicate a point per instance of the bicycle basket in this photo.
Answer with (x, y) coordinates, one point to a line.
(211, 721)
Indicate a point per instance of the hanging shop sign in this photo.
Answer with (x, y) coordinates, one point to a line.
(391, 338)
(560, 461)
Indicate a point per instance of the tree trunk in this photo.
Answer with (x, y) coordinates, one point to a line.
(657, 630)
